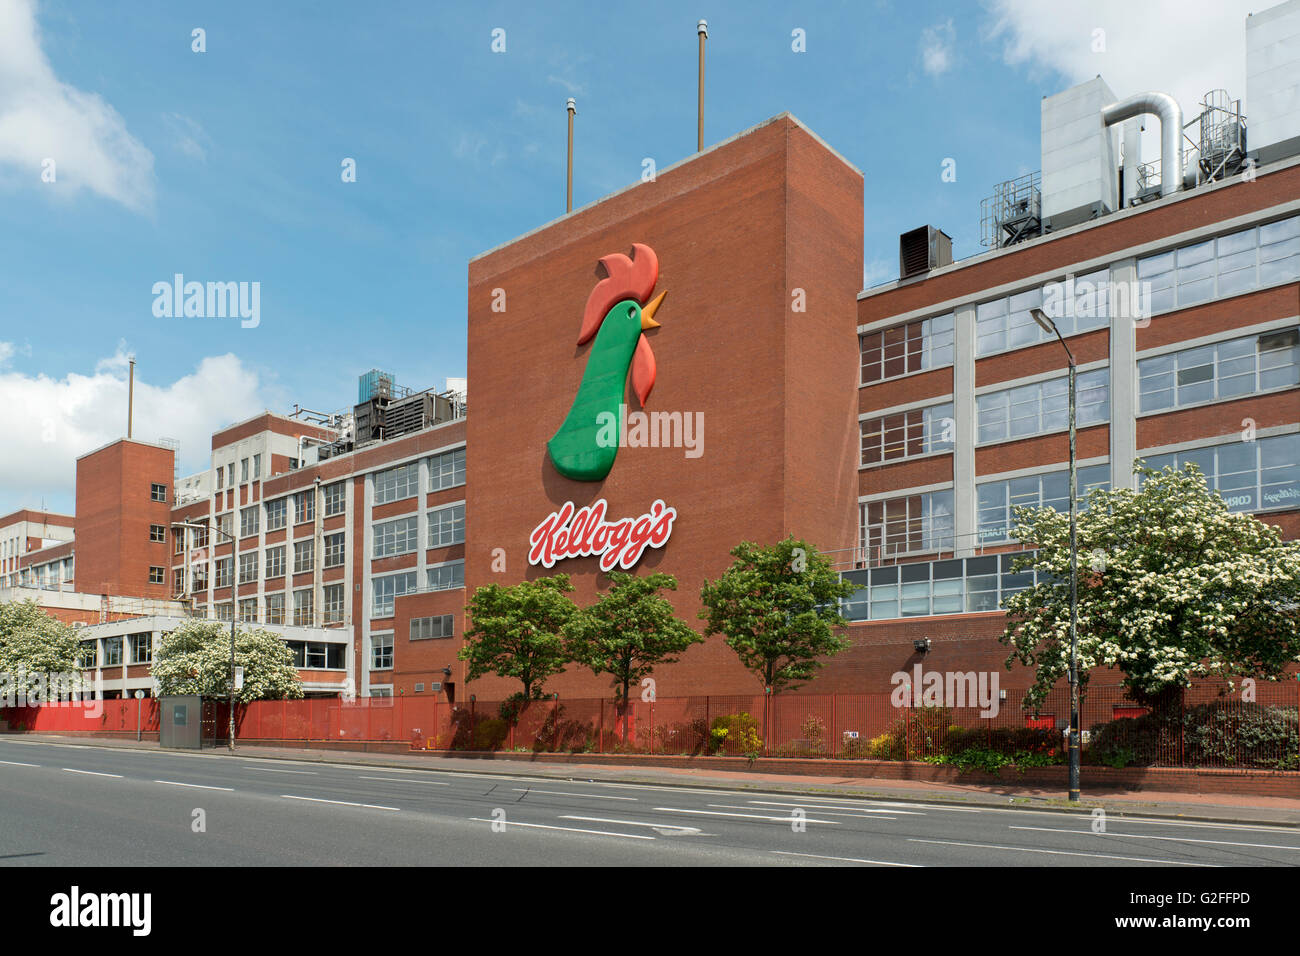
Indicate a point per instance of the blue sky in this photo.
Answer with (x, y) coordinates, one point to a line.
(225, 166)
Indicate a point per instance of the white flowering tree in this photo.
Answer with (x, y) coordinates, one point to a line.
(32, 643)
(195, 659)
(1172, 586)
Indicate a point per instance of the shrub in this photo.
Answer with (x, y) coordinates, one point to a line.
(491, 733)
(1217, 735)
(735, 734)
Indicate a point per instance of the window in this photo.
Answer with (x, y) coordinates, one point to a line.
(224, 612)
(911, 523)
(223, 572)
(397, 483)
(913, 347)
(396, 537)
(447, 470)
(333, 603)
(1251, 476)
(447, 576)
(1074, 305)
(200, 538)
(275, 562)
(303, 610)
(243, 471)
(248, 610)
(141, 646)
(919, 431)
(200, 577)
(304, 556)
(304, 507)
(158, 492)
(1228, 265)
(381, 692)
(336, 498)
(276, 514)
(950, 586)
(999, 499)
(112, 651)
(317, 655)
(230, 474)
(1041, 407)
(386, 589)
(178, 540)
(221, 478)
(447, 526)
(257, 467)
(1221, 371)
(88, 656)
(275, 609)
(381, 651)
(248, 567)
(226, 525)
(158, 533)
(248, 521)
(335, 549)
(427, 628)
(157, 575)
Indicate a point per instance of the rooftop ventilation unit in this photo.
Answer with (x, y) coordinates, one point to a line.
(1013, 213)
(1273, 81)
(1079, 156)
(921, 250)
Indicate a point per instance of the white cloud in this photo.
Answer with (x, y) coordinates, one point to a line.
(191, 138)
(43, 118)
(50, 422)
(1171, 46)
(937, 43)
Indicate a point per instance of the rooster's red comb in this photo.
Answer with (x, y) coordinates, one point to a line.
(632, 278)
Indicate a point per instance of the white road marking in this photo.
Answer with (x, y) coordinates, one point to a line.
(18, 763)
(1024, 849)
(1148, 836)
(635, 823)
(1207, 826)
(824, 806)
(752, 816)
(431, 783)
(341, 803)
(196, 786)
(641, 786)
(847, 859)
(561, 793)
(542, 826)
(93, 773)
(311, 773)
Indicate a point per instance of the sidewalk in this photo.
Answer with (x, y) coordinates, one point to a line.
(1187, 806)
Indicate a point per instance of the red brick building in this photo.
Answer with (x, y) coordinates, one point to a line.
(894, 427)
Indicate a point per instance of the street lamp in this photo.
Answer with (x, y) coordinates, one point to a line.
(234, 613)
(1048, 326)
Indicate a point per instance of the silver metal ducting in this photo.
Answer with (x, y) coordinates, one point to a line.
(1171, 132)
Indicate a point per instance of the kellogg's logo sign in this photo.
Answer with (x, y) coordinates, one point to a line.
(583, 532)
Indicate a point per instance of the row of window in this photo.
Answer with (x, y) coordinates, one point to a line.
(303, 607)
(1224, 370)
(1250, 475)
(226, 476)
(107, 652)
(402, 536)
(934, 587)
(446, 470)
(1227, 265)
(918, 431)
(386, 589)
(1042, 407)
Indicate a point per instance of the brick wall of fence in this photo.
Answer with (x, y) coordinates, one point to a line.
(1214, 727)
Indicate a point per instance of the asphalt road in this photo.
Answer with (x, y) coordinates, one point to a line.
(79, 805)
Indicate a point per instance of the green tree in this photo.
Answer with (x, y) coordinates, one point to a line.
(629, 631)
(34, 644)
(778, 608)
(195, 659)
(1172, 586)
(516, 631)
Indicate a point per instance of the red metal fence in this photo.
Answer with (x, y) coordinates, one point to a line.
(1213, 727)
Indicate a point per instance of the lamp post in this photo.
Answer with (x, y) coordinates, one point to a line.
(1048, 326)
(234, 614)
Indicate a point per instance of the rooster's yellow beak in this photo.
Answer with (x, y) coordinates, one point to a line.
(648, 313)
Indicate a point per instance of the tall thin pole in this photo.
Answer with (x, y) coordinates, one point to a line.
(130, 398)
(234, 616)
(1074, 600)
(572, 107)
(702, 28)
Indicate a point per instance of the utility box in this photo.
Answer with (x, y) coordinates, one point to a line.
(180, 722)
